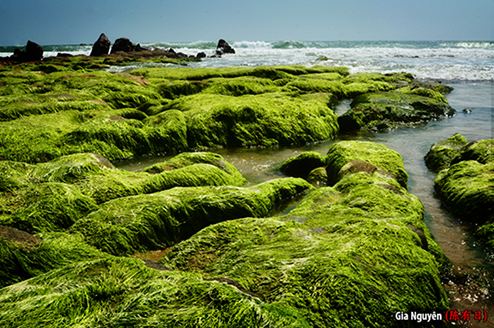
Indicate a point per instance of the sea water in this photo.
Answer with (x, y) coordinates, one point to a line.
(431, 60)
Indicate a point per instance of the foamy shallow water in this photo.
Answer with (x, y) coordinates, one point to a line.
(426, 60)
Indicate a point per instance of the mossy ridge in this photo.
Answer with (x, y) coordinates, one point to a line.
(52, 196)
(251, 121)
(465, 183)
(43, 207)
(382, 111)
(16, 136)
(349, 273)
(186, 159)
(271, 72)
(153, 221)
(340, 153)
(120, 292)
(112, 136)
(467, 188)
(41, 253)
(481, 151)
(346, 256)
(73, 90)
(441, 154)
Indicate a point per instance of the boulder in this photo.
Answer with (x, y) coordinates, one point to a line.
(33, 52)
(442, 153)
(382, 111)
(101, 46)
(348, 157)
(224, 48)
(124, 44)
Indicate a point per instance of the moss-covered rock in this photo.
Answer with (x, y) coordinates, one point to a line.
(344, 257)
(466, 183)
(481, 151)
(380, 156)
(318, 177)
(187, 159)
(301, 165)
(24, 256)
(255, 120)
(116, 292)
(442, 153)
(380, 111)
(144, 222)
(49, 206)
(467, 189)
(52, 196)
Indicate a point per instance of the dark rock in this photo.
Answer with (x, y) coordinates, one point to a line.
(124, 44)
(33, 52)
(201, 55)
(101, 46)
(224, 48)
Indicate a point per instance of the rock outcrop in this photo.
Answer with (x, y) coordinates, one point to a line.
(33, 52)
(224, 48)
(101, 46)
(124, 44)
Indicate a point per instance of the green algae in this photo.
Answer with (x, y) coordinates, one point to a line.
(351, 255)
(222, 107)
(44, 207)
(186, 159)
(381, 111)
(112, 136)
(24, 256)
(442, 153)
(92, 178)
(337, 263)
(159, 220)
(465, 184)
(261, 120)
(339, 154)
(16, 137)
(480, 151)
(116, 292)
(466, 188)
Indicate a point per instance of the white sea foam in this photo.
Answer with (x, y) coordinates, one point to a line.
(439, 60)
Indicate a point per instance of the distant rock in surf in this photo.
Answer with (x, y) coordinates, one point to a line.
(224, 48)
(101, 46)
(124, 44)
(33, 52)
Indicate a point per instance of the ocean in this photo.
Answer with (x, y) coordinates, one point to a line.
(426, 60)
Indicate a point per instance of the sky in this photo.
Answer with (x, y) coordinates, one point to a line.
(49, 22)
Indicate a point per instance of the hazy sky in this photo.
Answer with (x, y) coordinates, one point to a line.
(73, 22)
